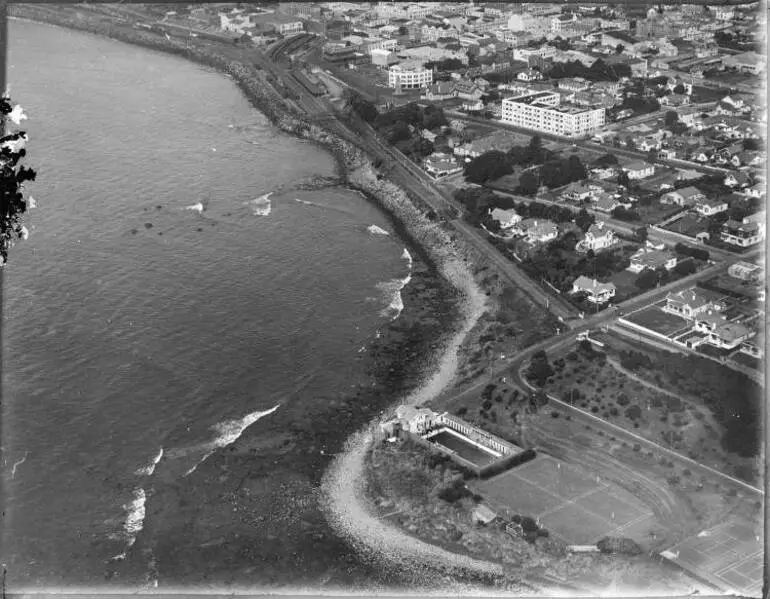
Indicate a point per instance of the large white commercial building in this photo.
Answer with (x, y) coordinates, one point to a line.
(540, 111)
(409, 76)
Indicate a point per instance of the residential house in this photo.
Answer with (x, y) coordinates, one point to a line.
(755, 191)
(741, 234)
(574, 84)
(467, 90)
(674, 100)
(606, 203)
(441, 165)
(638, 169)
(577, 191)
(745, 271)
(737, 179)
(710, 207)
(647, 257)
(689, 303)
(443, 90)
(483, 515)
(749, 62)
(721, 332)
(603, 173)
(529, 75)
(507, 218)
(598, 237)
(473, 106)
(537, 230)
(597, 292)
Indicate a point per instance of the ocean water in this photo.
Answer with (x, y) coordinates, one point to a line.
(180, 282)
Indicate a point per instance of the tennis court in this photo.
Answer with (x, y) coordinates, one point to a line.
(729, 555)
(571, 503)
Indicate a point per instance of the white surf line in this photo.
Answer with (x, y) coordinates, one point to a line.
(19, 463)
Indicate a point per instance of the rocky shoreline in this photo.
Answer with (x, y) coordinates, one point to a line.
(250, 513)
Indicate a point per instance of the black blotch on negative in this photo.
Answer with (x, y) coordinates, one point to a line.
(160, 233)
(134, 231)
(200, 228)
(148, 225)
(158, 207)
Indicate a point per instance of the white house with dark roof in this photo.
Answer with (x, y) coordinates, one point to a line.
(598, 237)
(647, 257)
(639, 169)
(538, 230)
(597, 292)
(709, 207)
(689, 303)
(686, 196)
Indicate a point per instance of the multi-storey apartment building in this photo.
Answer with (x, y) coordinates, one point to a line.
(540, 111)
(409, 75)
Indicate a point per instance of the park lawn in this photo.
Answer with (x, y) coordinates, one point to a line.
(682, 424)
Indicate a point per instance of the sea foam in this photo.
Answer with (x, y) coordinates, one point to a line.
(134, 516)
(261, 206)
(392, 290)
(227, 433)
(405, 255)
(150, 468)
(375, 230)
(195, 207)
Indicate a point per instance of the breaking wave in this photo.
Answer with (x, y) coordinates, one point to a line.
(150, 468)
(227, 433)
(195, 207)
(375, 230)
(405, 255)
(261, 206)
(392, 290)
(134, 516)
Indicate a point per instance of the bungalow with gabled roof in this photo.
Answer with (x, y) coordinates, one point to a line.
(651, 258)
(709, 207)
(689, 303)
(597, 292)
(638, 169)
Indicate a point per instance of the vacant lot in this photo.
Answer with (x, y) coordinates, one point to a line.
(600, 385)
(690, 224)
(570, 502)
(655, 319)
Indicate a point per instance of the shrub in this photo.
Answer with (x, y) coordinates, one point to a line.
(673, 479)
(637, 447)
(633, 412)
(594, 409)
(636, 425)
(623, 400)
(554, 414)
(616, 545)
(461, 411)
(605, 414)
(568, 417)
(686, 472)
(614, 411)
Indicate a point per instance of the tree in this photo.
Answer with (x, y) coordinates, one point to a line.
(652, 155)
(539, 369)
(490, 165)
(528, 183)
(12, 201)
(403, 30)
(752, 145)
(679, 89)
(647, 279)
(584, 220)
(685, 267)
(679, 128)
(619, 49)
(671, 118)
(641, 233)
(606, 160)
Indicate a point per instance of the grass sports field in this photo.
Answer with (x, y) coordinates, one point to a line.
(571, 504)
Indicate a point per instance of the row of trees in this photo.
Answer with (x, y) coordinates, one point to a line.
(558, 264)
(598, 71)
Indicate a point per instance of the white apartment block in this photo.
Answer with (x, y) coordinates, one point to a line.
(408, 76)
(540, 111)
